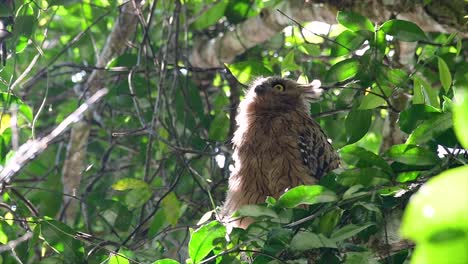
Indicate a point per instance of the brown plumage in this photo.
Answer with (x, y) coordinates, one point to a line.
(277, 145)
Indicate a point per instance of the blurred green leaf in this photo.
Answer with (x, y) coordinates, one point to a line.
(444, 74)
(412, 155)
(357, 124)
(62, 238)
(118, 259)
(403, 30)
(202, 240)
(219, 127)
(257, 211)
(288, 63)
(25, 25)
(328, 221)
(437, 219)
(354, 21)
(424, 93)
(129, 184)
(342, 70)
(247, 71)
(306, 195)
(166, 261)
(238, 11)
(430, 129)
(306, 240)
(360, 258)
(211, 16)
(348, 231)
(411, 117)
(372, 100)
(460, 117)
(348, 42)
(363, 158)
(363, 176)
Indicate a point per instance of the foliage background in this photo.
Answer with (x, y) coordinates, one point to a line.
(158, 154)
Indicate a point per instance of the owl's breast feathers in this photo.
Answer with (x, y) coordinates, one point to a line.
(275, 151)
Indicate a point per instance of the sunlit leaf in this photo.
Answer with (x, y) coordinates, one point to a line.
(460, 117)
(354, 21)
(444, 74)
(347, 42)
(306, 195)
(247, 71)
(343, 70)
(363, 158)
(211, 16)
(128, 184)
(202, 240)
(403, 30)
(437, 218)
(412, 155)
(363, 176)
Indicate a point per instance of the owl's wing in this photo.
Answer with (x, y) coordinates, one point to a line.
(316, 152)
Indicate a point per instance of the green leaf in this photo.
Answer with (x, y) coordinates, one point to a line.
(306, 194)
(412, 155)
(305, 240)
(25, 25)
(349, 41)
(219, 127)
(211, 16)
(247, 71)
(460, 117)
(354, 21)
(360, 258)
(255, 210)
(288, 63)
(137, 197)
(8, 100)
(357, 124)
(363, 176)
(372, 100)
(342, 70)
(203, 239)
(403, 30)
(129, 184)
(329, 221)
(363, 158)
(120, 258)
(430, 129)
(424, 93)
(444, 74)
(166, 261)
(440, 205)
(348, 231)
(411, 117)
(62, 238)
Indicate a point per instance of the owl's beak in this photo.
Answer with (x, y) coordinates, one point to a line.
(260, 89)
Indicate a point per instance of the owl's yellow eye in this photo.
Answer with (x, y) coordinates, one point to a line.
(279, 87)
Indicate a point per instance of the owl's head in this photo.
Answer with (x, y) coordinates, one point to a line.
(276, 93)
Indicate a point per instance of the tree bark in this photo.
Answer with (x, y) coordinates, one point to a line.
(211, 53)
(73, 166)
